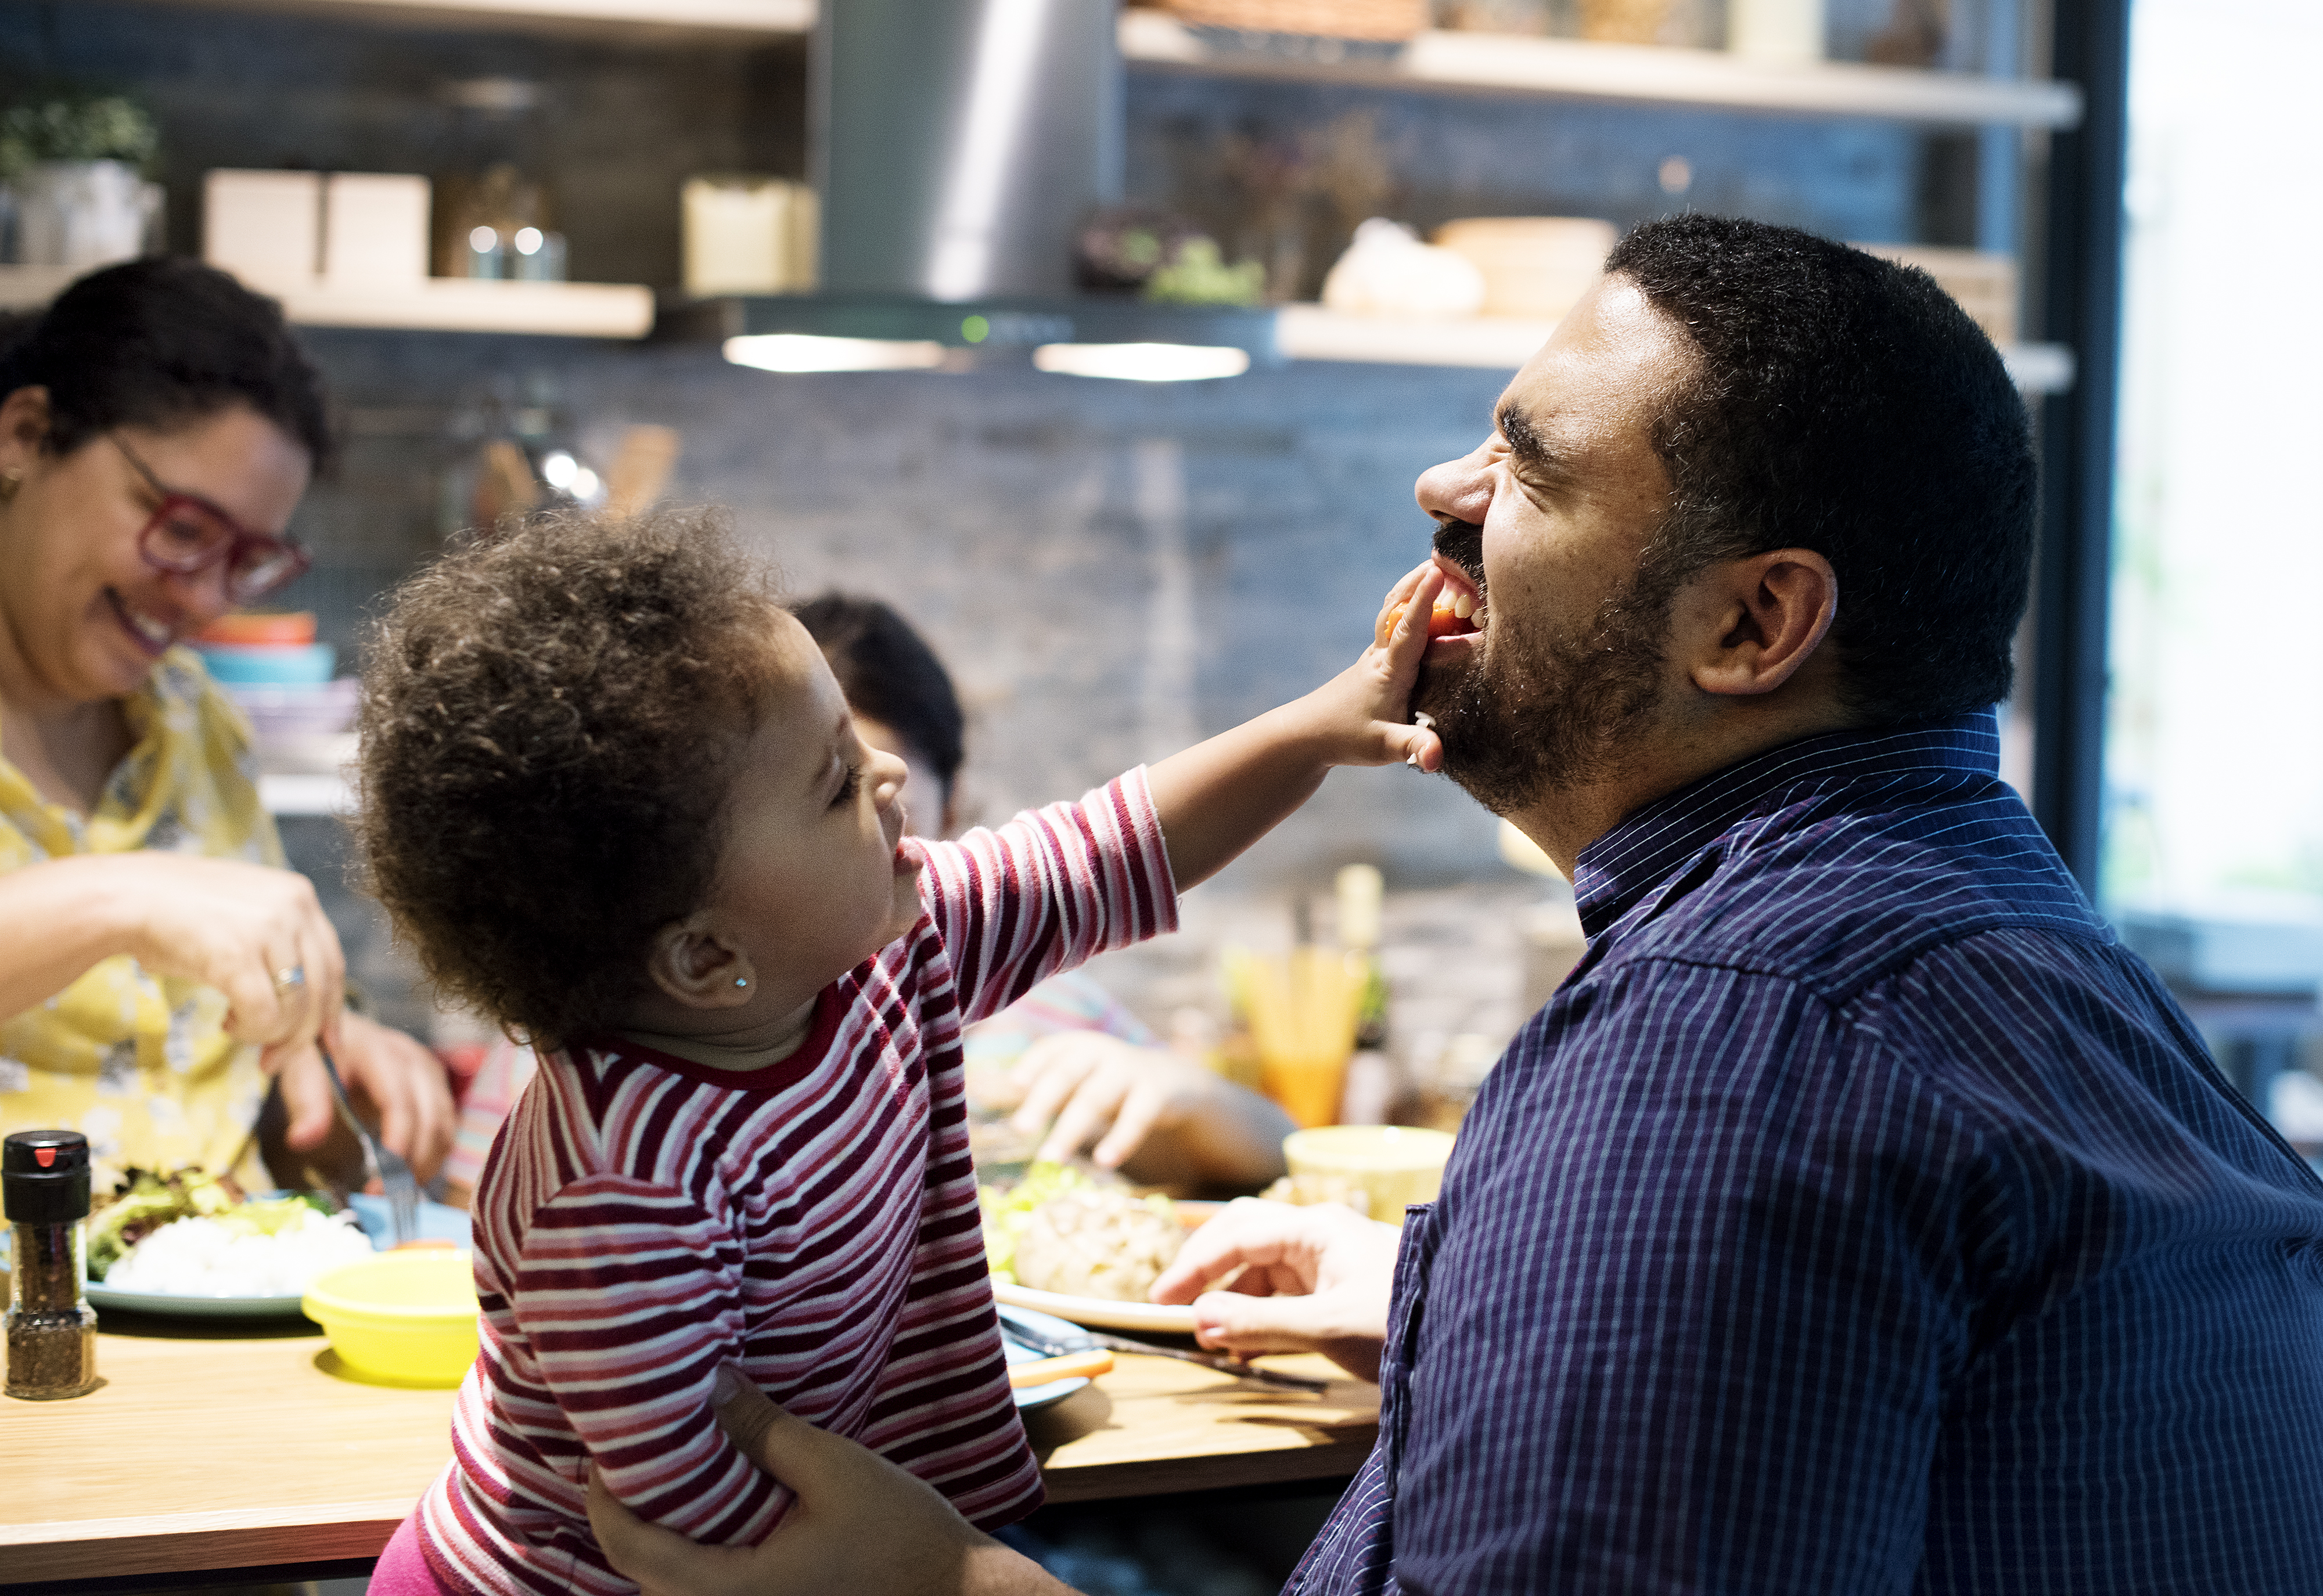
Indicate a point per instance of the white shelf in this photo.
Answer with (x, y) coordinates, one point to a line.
(724, 17)
(439, 304)
(1565, 69)
(1309, 332)
(459, 304)
(295, 796)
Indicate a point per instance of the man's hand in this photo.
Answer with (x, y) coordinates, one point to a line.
(1312, 1280)
(1174, 1121)
(403, 1081)
(860, 1525)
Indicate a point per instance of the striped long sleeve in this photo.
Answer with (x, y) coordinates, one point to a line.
(642, 1219)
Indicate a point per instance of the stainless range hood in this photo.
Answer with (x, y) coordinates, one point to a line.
(960, 145)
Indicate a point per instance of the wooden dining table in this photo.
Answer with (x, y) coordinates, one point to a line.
(217, 1446)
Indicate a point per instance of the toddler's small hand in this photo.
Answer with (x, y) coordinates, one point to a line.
(1367, 707)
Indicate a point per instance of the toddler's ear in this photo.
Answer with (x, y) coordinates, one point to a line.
(694, 965)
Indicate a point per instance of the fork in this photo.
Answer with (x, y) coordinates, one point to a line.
(395, 1177)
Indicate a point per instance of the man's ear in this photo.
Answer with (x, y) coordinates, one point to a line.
(692, 964)
(1759, 621)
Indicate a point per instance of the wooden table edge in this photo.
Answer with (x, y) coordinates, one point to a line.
(1339, 1458)
(129, 1547)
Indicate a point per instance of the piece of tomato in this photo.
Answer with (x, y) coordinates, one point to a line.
(1441, 623)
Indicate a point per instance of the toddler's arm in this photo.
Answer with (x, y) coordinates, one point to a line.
(1056, 887)
(629, 1297)
(1218, 797)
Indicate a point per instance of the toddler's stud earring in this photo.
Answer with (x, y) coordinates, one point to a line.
(738, 981)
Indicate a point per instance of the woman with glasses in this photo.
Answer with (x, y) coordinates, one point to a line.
(158, 963)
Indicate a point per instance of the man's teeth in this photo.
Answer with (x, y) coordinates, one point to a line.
(1464, 606)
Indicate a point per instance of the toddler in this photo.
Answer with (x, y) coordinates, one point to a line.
(612, 796)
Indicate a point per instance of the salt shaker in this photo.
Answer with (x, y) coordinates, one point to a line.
(52, 1330)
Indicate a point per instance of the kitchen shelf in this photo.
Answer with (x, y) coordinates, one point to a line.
(288, 795)
(719, 16)
(1564, 68)
(1437, 60)
(438, 303)
(1309, 332)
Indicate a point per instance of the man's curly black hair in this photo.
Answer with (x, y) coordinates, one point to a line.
(549, 715)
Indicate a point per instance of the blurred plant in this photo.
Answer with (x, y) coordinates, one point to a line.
(1304, 193)
(1197, 274)
(1121, 247)
(1352, 170)
(1276, 178)
(110, 128)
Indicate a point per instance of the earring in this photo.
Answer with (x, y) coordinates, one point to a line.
(738, 981)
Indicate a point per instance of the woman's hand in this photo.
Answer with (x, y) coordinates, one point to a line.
(860, 1525)
(1312, 1280)
(1176, 1123)
(403, 1079)
(234, 926)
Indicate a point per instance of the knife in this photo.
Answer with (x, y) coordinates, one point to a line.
(1058, 1347)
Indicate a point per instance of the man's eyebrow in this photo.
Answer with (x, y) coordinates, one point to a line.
(1525, 442)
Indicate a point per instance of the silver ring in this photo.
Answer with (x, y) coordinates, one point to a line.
(291, 979)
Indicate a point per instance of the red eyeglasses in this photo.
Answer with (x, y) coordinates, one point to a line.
(188, 534)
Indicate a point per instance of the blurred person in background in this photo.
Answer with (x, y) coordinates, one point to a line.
(1075, 1070)
(158, 962)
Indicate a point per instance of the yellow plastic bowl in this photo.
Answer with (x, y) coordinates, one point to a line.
(1392, 1165)
(402, 1318)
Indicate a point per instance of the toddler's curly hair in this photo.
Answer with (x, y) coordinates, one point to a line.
(547, 711)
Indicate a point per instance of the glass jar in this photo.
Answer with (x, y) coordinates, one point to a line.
(50, 1329)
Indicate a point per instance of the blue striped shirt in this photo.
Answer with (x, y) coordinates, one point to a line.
(1858, 1217)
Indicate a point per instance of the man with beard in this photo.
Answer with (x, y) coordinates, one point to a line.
(1859, 1217)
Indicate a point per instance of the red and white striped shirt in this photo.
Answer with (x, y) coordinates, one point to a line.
(643, 1219)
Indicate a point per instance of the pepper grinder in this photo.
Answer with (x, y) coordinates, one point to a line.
(52, 1330)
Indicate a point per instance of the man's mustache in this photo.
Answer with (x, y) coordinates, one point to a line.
(1463, 543)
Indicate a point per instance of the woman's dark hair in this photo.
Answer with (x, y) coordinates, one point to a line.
(550, 714)
(889, 672)
(159, 344)
(1845, 404)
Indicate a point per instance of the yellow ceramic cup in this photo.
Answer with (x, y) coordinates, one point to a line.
(400, 1319)
(1391, 1165)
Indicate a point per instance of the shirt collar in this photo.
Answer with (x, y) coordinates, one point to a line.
(1650, 844)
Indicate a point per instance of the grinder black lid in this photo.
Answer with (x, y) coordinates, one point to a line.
(44, 1176)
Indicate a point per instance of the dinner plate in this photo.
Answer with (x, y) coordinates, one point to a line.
(1031, 1397)
(437, 1223)
(1152, 1318)
(1106, 1314)
(106, 1299)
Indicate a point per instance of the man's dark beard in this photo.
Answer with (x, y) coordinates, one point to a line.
(1531, 714)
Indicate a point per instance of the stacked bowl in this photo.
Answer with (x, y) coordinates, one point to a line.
(272, 667)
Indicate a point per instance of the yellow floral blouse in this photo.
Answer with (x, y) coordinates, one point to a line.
(138, 1063)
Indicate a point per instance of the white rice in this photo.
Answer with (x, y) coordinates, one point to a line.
(203, 1258)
